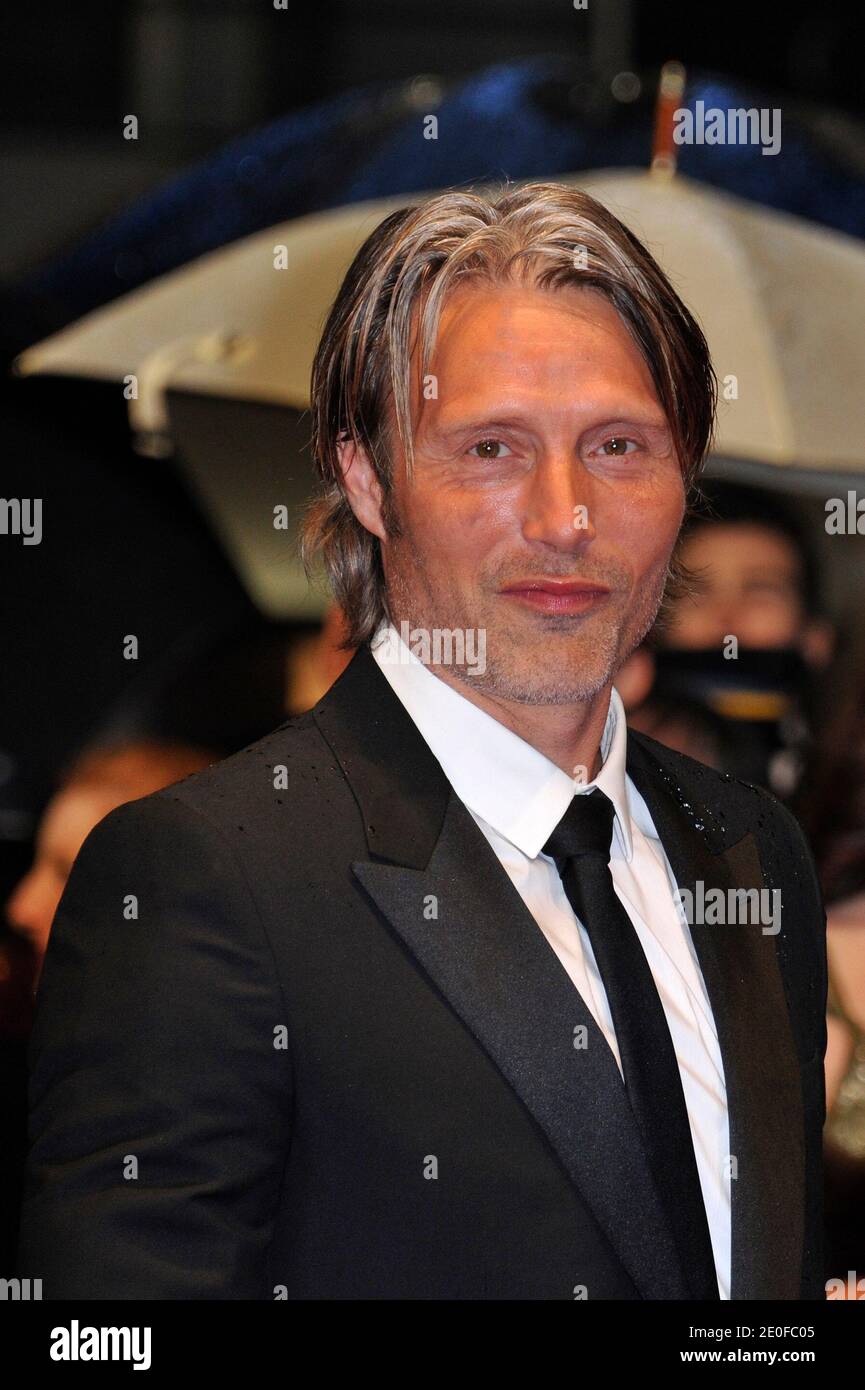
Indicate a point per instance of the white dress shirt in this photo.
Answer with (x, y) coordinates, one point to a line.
(517, 797)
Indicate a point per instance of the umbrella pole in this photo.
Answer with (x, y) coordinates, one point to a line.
(671, 90)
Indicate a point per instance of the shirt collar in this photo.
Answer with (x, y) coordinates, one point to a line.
(516, 789)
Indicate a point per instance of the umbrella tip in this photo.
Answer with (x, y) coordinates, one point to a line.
(671, 90)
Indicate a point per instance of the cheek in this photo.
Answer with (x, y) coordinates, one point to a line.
(773, 625)
(645, 528)
(457, 528)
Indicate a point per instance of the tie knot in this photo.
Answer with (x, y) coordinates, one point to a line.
(585, 828)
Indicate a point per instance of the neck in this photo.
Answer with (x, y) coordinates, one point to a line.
(569, 735)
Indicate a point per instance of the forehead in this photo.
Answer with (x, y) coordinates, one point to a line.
(557, 339)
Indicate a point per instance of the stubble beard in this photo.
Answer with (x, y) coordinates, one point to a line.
(566, 661)
(553, 660)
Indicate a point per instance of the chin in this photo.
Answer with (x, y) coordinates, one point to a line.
(544, 682)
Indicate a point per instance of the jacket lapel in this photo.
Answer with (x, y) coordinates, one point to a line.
(435, 878)
(746, 992)
(493, 965)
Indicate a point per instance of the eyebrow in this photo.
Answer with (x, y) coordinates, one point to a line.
(486, 422)
(657, 423)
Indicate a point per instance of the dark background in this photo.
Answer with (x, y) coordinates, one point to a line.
(70, 71)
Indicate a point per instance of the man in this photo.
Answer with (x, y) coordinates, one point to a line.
(410, 1007)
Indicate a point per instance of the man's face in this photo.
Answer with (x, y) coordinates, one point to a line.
(749, 586)
(542, 458)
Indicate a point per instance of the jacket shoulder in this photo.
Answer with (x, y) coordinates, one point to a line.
(691, 771)
(742, 805)
(289, 776)
(292, 767)
(734, 808)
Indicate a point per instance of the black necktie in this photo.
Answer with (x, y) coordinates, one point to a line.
(580, 846)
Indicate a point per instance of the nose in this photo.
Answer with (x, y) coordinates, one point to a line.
(558, 502)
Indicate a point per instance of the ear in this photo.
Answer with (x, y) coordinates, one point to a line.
(362, 487)
(817, 642)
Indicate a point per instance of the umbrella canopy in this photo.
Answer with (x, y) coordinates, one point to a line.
(780, 301)
(540, 116)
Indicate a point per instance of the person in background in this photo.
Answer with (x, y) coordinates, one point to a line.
(738, 643)
(98, 780)
(831, 808)
(313, 662)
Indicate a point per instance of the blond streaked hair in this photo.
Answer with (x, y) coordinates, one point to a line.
(546, 234)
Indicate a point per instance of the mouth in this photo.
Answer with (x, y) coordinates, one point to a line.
(557, 596)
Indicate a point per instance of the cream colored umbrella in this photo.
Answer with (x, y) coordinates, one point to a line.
(782, 304)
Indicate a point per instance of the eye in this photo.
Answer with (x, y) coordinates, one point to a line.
(489, 449)
(616, 446)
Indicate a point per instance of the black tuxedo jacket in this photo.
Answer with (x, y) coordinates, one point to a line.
(298, 1036)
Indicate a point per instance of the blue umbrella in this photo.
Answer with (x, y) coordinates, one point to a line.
(518, 120)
